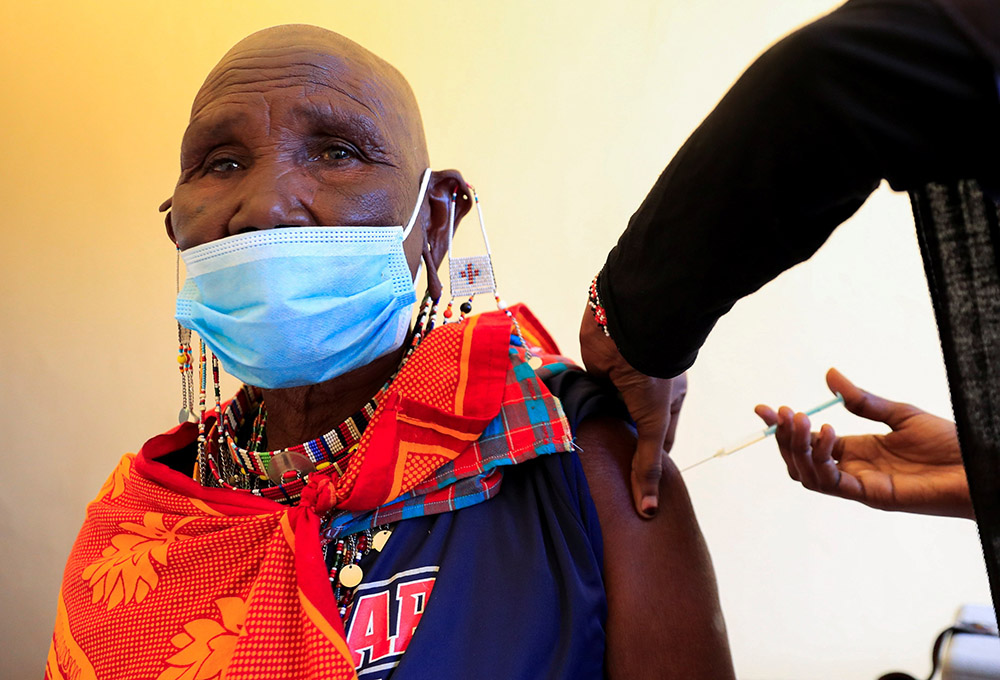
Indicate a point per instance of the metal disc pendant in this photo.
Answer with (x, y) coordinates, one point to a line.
(351, 575)
(380, 539)
(535, 363)
(183, 416)
(284, 461)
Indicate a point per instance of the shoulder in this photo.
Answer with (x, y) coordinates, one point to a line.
(664, 617)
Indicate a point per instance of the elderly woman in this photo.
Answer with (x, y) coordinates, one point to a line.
(379, 500)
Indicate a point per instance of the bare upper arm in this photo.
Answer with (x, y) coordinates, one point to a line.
(664, 618)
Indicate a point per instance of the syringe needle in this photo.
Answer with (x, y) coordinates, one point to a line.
(722, 453)
(703, 460)
(760, 435)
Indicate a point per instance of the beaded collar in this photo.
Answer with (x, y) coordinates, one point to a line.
(260, 472)
(330, 448)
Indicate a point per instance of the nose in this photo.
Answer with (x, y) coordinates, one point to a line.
(272, 196)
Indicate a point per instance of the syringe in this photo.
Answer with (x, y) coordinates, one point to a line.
(760, 435)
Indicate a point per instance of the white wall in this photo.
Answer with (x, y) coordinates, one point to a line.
(562, 114)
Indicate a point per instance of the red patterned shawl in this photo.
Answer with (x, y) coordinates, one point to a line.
(173, 581)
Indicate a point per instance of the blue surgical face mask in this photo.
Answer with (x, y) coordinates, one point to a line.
(300, 305)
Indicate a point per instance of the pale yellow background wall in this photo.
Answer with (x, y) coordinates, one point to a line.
(562, 114)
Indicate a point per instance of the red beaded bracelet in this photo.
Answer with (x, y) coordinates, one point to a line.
(594, 302)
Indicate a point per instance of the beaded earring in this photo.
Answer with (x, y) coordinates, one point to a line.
(468, 276)
(212, 470)
(216, 468)
(185, 360)
(185, 363)
(204, 462)
(474, 274)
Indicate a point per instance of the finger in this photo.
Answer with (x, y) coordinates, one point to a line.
(647, 468)
(783, 432)
(838, 449)
(648, 401)
(828, 475)
(766, 413)
(848, 486)
(675, 413)
(770, 418)
(651, 430)
(867, 405)
(801, 446)
(783, 436)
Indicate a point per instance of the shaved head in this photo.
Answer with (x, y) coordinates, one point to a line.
(314, 59)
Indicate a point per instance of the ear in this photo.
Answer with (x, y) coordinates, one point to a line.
(167, 222)
(443, 186)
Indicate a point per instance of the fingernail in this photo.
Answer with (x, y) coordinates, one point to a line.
(648, 505)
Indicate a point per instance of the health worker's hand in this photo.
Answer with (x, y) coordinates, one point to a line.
(653, 403)
(917, 467)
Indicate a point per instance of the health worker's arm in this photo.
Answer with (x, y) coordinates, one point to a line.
(873, 90)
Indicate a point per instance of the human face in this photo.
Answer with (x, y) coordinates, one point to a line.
(295, 136)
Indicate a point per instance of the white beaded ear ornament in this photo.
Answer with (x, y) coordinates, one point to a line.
(469, 276)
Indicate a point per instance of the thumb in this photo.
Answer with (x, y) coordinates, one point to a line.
(867, 405)
(647, 468)
(648, 402)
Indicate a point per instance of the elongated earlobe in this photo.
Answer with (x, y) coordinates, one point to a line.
(167, 222)
(433, 280)
(444, 184)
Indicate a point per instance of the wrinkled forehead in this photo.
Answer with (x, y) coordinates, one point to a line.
(285, 67)
(308, 70)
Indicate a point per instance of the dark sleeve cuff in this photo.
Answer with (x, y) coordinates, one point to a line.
(654, 358)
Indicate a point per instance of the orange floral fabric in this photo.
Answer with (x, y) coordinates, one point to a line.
(164, 585)
(173, 581)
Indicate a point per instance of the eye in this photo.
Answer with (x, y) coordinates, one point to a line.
(334, 153)
(222, 165)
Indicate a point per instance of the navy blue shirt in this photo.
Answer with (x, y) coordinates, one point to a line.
(510, 588)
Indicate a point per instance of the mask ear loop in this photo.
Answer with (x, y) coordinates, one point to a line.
(420, 202)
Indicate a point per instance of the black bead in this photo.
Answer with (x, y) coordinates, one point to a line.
(466, 307)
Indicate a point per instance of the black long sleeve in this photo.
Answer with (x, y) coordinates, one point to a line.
(891, 89)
